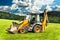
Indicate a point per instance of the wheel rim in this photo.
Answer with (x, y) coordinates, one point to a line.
(22, 31)
(37, 29)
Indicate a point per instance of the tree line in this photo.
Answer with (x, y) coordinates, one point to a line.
(6, 15)
(53, 16)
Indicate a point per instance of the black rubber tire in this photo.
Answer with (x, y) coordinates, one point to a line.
(37, 29)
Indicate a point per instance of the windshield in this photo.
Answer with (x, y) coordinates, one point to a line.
(28, 17)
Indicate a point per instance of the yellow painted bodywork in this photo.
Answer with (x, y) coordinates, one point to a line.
(25, 23)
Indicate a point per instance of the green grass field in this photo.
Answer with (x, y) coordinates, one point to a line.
(52, 32)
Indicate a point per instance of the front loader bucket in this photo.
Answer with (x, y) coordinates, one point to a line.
(13, 28)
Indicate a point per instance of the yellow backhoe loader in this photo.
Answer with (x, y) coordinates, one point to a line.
(31, 23)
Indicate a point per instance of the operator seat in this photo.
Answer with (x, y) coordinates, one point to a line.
(32, 21)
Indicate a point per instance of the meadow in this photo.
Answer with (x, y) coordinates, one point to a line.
(52, 32)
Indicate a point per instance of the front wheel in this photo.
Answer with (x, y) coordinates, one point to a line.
(37, 28)
(23, 30)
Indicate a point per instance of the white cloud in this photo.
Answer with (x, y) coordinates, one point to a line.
(4, 8)
(34, 8)
(15, 1)
(0, 6)
(19, 2)
(57, 8)
(48, 8)
(32, 5)
(14, 7)
(48, 2)
(22, 3)
(40, 11)
(37, 5)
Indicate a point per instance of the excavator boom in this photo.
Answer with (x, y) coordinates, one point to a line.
(45, 20)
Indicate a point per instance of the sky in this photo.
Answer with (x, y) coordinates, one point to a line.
(25, 6)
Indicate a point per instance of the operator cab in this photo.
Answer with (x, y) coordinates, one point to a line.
(33, 18)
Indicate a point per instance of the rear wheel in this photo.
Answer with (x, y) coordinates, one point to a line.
(37, 28)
